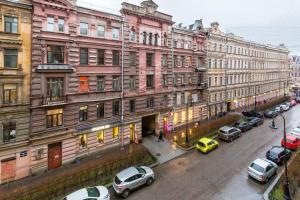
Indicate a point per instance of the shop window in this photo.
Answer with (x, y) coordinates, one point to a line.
(100, 136)
(54, 118)
(116, 132)
(83, 141)
(9, 132)
(83, 113)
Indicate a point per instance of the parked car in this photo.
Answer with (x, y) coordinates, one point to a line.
(292, 142)
(278, 109)
(243, 125)
(95, 193)
(132, 178)
(253, 114)
(255, 121)
(276, 154)
(270, 114)
(262, 169)
(285, 107)
(229, 133)
(293, 102)
(296, 132)
(206, 145)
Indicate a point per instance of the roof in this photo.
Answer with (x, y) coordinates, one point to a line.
(226, 128)
(205, 140)
(123, 175)
(291, 137)
(277, 149)
(79, 194)
(261, 162)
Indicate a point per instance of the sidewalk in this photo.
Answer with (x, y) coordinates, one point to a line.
(162, 150)
(101, 158)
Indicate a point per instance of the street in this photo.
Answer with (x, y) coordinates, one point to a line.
(221, 174)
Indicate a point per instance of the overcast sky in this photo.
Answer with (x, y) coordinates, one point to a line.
(266, 21)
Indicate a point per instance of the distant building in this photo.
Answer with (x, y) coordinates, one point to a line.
(295, 62)
(243, 73)
(15, 67)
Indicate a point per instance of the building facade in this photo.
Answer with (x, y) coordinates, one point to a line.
(295, 75)
(242, 74)
(15, 64)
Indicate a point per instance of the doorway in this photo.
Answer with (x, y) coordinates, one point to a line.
(228, 106)
(54, 156)
(148, 125)
(132, 133)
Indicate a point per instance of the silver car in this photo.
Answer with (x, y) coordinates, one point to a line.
(229, 133)
(262, 169)
(132, 178)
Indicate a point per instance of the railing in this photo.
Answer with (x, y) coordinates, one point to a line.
(202, 85)
(50, 100)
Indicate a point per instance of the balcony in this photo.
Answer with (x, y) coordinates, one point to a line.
(202, 85)
(54, 100)
(201, 69)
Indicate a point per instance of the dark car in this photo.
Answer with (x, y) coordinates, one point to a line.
(276, 154)
(255, 121)
(243, 125)
(270, 114)
(253, 114)
(297, 99)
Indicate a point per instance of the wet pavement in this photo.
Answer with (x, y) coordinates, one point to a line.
(221, 174)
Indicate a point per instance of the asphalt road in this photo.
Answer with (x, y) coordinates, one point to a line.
(221, 174)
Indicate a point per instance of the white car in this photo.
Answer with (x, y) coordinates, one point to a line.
(285, 107)
(90, 193)
(296, 132)
(262, 169)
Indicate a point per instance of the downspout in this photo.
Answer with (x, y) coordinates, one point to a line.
(122, 88)
(173, 74)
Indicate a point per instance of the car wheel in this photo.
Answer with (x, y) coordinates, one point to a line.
(125, 194)
(149, 181)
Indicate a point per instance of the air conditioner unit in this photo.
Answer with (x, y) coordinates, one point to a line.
(39, 153)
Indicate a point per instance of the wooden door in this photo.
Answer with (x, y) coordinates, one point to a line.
(54, 156)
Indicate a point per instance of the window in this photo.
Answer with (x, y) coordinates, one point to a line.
(10, 58)
(165, 80)
(132, 58)
(50, 23)
(10, 24)
(164, 60)
(83, 84)
(100, 31)
(10, 94)
(115, 33)
(100, 136)
(144, 38)
(209, 63)
(156, 39)
(150, 102)
(54, 118)
(9, 132)
(175, 60)
(150, 81)
(116, 131)
(132, 105)
(190, 61)
(209, 81)
(84, 56)
(55, 88)
(100, 110)
(116, 108)
(101, 56)
(150, 38)
(132, 84)
(61, 24)
(83, 141)
(83, 113)
(84, 27)
(132, 36)
(182, 61)
(116, 58)
(115, 83)
(55, 54)
(149, 59)
(100, 83)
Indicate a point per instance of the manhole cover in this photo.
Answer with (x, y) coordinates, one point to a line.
(157, 154)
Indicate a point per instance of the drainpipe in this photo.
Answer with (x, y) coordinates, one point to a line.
(122, 88)
(173, 74)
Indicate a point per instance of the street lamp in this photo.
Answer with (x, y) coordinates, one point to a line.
(287, 195)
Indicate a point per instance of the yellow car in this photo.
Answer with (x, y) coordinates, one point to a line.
(206, 145)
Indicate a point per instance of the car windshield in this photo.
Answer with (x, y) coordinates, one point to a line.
(201, 144)
(257, 167)
(290, 141)
(93, 192)
(273, 154)
(223, 131)
(141, 170)
(117, 180)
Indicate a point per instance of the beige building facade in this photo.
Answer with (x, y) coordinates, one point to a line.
(242, 74)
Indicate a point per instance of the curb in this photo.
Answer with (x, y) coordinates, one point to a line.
(270, 188)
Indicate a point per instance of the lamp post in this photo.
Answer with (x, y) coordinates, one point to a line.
(287, 195)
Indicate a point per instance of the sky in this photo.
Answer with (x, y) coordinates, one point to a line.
(265, 21)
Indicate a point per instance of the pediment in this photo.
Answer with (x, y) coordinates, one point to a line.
(65, 3)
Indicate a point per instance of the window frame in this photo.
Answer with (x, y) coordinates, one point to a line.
(100, 110)
(83, 52)
(55, 50)
(132, 105)
(149, 59)
(99, 80)
(58, 115)
(14, 54)
(99, 31)
(11, 24)
(116, 108)
(83, 113)
(81, 28)
(115, 57)
(9, 101)
(7, 129)
(150, 81)
(50, 23)
(61, 19)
